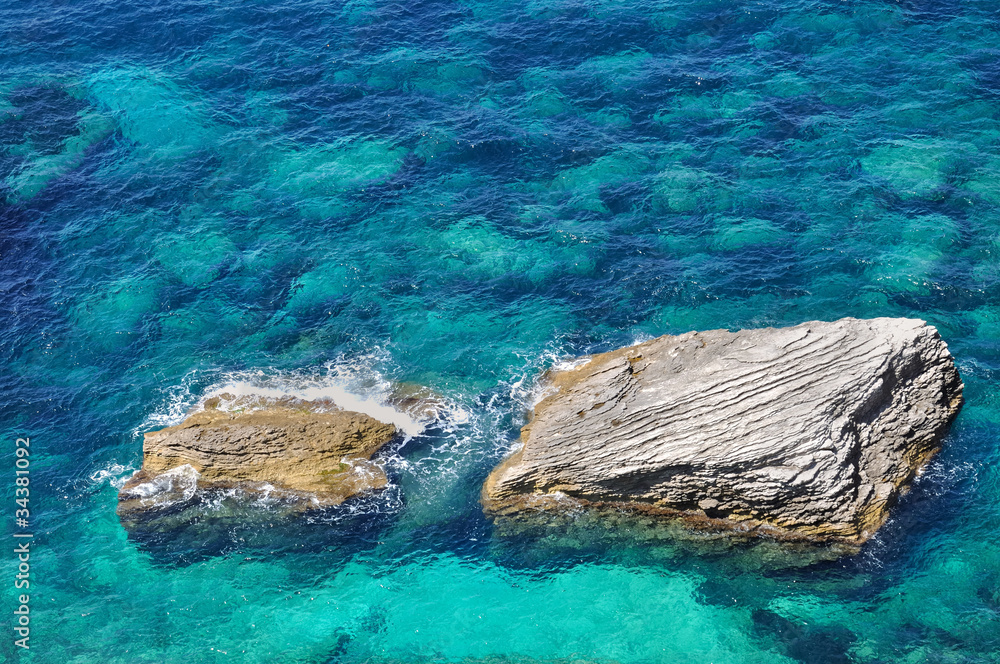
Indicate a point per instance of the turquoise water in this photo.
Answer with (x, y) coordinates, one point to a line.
(334, 197)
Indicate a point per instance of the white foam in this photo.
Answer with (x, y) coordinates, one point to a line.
(353, 385)
(463, 434)
(372, 407)
(571, 363)
(938, 478)
(116, 475)
(182, 479)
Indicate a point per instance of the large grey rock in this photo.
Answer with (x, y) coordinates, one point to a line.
(805, 432)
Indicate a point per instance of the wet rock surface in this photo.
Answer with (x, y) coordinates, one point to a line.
(807, 432)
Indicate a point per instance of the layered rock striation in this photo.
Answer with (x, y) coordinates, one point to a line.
(806, 432)
(300, 450)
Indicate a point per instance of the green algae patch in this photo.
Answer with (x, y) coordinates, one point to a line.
(987, 271)
(786, 84)
(153, 111)
(190, 323)
(837, 94)
(111, 316)
(705, 107)
(584, 183)
(359, 12)
(833, 286)
(472, 247)
(450, 79)
(687, 107)
(319, 177)
(764, 41)
(396, 68)
(209, 321)
(905, 269)
(932, 230)
(619, 166)
(621, 69)
(322, 286)
(41, 170)
(733, 233)
(265, 109)
(914, 168)
(433, 143)
(544, 104)
(196, 258)
(681, 189)
(984, 182)
(610, 118)
(825, 26)
(7, 109)
(763, 168)
(902, 254)
(758, 310)
(986, 320)
(431, 72)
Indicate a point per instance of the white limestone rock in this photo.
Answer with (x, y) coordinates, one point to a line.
(806, 432)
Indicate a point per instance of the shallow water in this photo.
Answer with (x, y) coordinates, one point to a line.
(312, 196)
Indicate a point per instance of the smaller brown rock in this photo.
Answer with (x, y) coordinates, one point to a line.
(308, 451)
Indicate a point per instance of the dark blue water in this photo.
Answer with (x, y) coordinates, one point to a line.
(307, 196)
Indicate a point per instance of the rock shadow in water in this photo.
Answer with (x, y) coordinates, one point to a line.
(811, 644)
(225, 523)
(539, 538)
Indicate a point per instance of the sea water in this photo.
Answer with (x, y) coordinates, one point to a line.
(332, 198)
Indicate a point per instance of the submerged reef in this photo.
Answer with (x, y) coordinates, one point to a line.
(801, 433)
